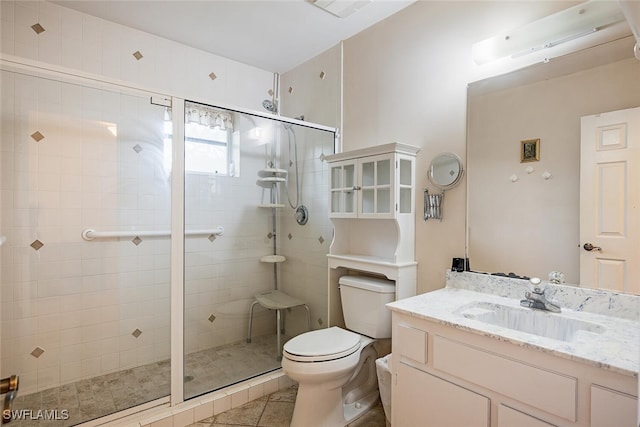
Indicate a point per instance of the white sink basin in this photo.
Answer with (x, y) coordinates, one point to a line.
(535, 322)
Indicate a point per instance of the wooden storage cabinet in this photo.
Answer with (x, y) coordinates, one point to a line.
(372, 209)
(520, 386)
(377, 182)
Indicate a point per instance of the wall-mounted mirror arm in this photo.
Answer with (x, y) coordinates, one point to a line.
(445, 173)
(433, 205)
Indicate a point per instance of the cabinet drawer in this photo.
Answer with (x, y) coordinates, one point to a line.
(612, 408)
(531, 385)
(413, 343)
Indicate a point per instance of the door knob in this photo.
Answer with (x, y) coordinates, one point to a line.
(589, 247)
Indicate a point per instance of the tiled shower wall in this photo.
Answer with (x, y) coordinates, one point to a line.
(60, 298)
(304, 274)
(48, 33)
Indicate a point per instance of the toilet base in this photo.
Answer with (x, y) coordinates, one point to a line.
(325, 413)
(340, 401)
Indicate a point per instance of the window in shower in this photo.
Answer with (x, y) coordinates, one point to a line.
(209, 141)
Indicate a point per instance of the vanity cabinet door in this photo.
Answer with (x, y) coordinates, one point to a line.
(612, 408)
(509, 417)
(426, 400)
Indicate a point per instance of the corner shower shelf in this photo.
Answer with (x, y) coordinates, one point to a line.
(273, 259)
(271, 179)
(271, 205)
(271, 171)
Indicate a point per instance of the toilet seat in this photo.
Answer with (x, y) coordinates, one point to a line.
(322, 345)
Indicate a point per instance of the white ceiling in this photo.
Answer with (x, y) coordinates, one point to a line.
(274, 35)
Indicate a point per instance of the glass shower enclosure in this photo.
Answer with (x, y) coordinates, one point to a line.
(89, 269)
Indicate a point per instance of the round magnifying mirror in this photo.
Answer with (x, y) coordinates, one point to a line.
(445, 171)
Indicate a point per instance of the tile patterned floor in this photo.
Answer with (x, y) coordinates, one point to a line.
(205, 371)
(276, 410)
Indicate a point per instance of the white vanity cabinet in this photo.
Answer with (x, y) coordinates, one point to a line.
(446, 376)
(372, 208)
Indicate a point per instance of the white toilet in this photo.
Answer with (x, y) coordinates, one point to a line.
(335, 368)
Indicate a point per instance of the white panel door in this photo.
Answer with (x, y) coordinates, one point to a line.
(609, 201)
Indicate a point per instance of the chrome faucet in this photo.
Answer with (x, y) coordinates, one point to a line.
(536, 299)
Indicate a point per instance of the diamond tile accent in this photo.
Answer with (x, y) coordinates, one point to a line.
(290, 236)
(321, 240)
(270, 235)
(37, 352)
(137, 55)
(212, 76)
(36, 244)
(270, 92)
(290, 89)
(137, 148)
(212, 318)
(322, 74)
(320, 321)
(136, 333)
(37, 136)
(136, 240)
(212, 237)
(37, 28)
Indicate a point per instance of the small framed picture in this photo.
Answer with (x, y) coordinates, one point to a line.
(530, 150)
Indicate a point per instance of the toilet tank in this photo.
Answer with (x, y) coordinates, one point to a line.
(363, 304)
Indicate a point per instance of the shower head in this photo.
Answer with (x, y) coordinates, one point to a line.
(270, 106)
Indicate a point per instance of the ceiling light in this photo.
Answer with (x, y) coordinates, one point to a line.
(550, 31)
(340, 8)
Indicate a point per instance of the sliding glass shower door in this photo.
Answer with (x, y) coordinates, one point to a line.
(85, 216)
(246, 175)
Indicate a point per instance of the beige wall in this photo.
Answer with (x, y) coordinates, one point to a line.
(405, 81)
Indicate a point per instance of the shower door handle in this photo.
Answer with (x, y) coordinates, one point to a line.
(9, 386)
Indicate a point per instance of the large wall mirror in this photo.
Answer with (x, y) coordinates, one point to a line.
(524, 216)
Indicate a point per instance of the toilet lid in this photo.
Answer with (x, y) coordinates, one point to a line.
(322, 344)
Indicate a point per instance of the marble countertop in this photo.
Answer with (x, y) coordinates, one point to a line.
(616, 349)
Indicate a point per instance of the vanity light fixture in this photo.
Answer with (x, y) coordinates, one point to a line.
(553, 30)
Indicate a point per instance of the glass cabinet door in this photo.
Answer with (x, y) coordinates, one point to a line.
(343, 184)
(405, 204)
(376, 178)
